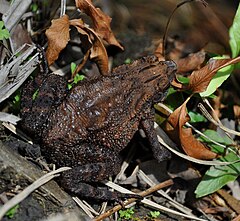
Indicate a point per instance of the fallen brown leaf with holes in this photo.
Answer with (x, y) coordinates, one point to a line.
(189, 143)
(92, 42)
(101, 21)
(58, 37)
(92, 39)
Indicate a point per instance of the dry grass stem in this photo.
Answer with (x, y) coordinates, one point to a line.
(143, 194)
(174, 203)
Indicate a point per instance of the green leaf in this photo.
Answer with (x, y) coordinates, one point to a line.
(17, 98)
(34, 7)
(223, 139)
(1, 24)
(218, 79)
(174, 99)
(127, 213)
(234, 33)
(73, 67)
(77, 78)
(128, 61)
(218, 176)
(4, 33)
(10, 213)
(154, 214)
(183, 80)
(196, 117)
(35, 94)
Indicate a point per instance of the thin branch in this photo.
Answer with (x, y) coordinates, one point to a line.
(170, 18)
(143, 194)
(216, 121)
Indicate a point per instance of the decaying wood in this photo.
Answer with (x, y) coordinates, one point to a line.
(11, 161)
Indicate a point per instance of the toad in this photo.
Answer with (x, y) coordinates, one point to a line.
(87, 126)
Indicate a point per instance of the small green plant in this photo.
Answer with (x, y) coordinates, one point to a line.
(78, 77)
(153, 214)
(10, 213)
(15, 102)
(196, 117)
(4, 33)
(35, 94)
(218, 176)
(128, 61)
(126, 214)
(34, 7)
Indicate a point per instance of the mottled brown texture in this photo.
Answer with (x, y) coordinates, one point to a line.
(88, 126)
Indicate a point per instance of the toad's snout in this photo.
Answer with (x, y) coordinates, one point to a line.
(172, 66)
(172, 69)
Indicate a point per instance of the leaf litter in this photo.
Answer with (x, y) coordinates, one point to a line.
(194, 66)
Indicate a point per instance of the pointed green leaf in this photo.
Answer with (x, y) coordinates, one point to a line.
(234, 33)
(218, 176)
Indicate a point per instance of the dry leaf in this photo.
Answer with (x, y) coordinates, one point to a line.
(191, 62)
(93, 43)
(189, 143)
(99, 54)
(158, 52)
(236, 110)
(200, 79)
(177, 84)
(101, 22)
(58, 37)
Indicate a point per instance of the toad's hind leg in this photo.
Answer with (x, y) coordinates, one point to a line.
(82, 180)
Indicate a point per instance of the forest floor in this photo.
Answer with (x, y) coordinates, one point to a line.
(200, 186)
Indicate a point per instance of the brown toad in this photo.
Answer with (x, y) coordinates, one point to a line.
(87, 127)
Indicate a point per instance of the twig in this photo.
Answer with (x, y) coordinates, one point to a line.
(216, 121)
(27, 191)
(16, 131)
(144, 193)
(170, 18)
(6, 117)
(171, 201)
(83, 206)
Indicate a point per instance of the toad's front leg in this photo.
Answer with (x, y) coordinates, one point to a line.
(159, 152)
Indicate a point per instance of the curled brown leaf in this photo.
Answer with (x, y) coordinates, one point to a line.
(92, 43)
(191, 62)
(200, 79)
(58, 37)
(189, 143)
(175, 83)
(101, 21)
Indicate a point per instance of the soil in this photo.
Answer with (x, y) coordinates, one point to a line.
(138, 25)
